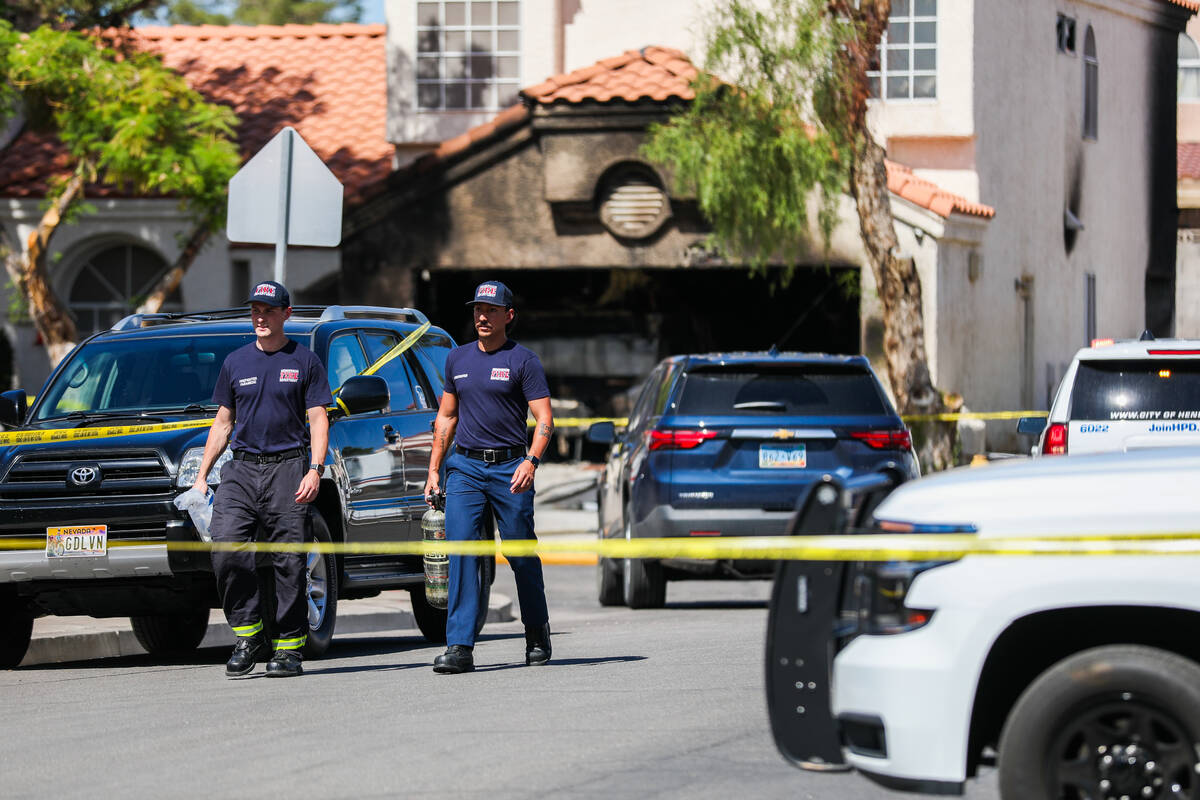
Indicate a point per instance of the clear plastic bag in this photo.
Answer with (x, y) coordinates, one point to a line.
(199, 508)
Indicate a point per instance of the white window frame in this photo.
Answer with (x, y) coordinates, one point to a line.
(439, 47)
(898, 61)
(1188, 66)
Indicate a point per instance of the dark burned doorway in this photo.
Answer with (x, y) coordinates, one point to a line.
(599, 332)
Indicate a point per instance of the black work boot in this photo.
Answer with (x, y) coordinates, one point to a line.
(456, 659)
(537, 645)
(248, 651)
(285, 664)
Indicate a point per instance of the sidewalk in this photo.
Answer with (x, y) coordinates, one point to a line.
(59, 639)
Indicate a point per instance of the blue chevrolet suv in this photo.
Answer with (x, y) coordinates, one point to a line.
(723, 444)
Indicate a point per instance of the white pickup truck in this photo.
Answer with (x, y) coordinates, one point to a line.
(1078, 674)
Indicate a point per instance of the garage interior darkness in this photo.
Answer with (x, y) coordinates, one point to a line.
(599, 332)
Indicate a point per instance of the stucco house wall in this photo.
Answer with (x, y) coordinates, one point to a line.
(1032, 153)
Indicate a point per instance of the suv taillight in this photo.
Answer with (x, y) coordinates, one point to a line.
(884, 440)
(1055, 443)
(679, 438)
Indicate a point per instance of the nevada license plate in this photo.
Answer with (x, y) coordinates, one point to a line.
(785, 456)
(78, 540)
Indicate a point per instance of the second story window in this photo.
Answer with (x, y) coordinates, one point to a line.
(906, 64)
(468, 54)
(1189, 69)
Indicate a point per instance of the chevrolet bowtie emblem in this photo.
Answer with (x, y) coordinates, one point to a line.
(782, 433)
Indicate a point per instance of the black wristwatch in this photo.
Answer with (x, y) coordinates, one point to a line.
(533, 460)
(320, 468)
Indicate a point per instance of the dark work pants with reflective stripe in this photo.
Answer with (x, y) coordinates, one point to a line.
(250, 495)
(471, 485)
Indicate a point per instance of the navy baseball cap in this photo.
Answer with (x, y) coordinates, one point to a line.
(270, 293)
(493, 292)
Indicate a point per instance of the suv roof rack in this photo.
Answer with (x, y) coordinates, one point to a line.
(322, 313)
(355, 312)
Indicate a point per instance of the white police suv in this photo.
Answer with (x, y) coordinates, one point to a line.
(1124, 395)
(1076, 672)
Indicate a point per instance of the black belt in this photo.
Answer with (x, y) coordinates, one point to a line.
(268, 458)
(492, 456)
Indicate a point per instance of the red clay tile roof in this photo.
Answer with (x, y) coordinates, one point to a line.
(329, 82)
(1191, 5)
(660, 73)
(902, 182)
(1187, 160)
(655, 73)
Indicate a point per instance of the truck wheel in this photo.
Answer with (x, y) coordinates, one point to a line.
(432, 621)
(16, 629)
(645, 585)
(609, 588)
(321, 579)
(1114, 721)
(170, 634)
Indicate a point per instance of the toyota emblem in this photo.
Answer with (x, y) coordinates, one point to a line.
(84, 476)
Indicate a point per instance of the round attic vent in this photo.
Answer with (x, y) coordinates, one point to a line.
(633, 207)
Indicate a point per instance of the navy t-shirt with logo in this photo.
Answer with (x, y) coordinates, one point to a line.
(493, 391)
(270, 394)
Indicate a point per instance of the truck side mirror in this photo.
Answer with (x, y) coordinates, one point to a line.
(364, 393)
(602, 432)
(13, 407)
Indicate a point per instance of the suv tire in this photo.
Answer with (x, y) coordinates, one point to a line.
(170, 634)
(16, 629)
(644, 584)
(321, 580)
(609, 588)
(1142, 700)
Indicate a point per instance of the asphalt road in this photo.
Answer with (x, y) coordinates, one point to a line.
(649, 704)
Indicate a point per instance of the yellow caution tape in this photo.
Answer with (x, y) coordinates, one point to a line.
(378, 364)
(955, 416)
(69, 434)
(843, 547)
(621, 422)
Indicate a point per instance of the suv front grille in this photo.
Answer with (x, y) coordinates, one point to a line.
(111, 473)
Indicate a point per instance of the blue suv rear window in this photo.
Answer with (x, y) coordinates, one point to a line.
(806, 390)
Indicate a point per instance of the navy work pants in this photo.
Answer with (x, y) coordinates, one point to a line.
(471, 485)
(250, 495)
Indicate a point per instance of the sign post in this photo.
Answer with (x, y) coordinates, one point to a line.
(285, 195)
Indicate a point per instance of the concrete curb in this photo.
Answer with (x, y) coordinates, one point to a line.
(61, 639)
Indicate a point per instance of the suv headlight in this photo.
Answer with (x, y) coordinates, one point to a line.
(189, 467)
(881, 589)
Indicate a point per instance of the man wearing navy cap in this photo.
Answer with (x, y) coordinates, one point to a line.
(276, 390)
(491, 384)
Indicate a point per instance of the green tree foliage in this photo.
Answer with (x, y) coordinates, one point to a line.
(26, 15)
(126, 121)
(762, 141)
(261, 12)
(783, 129)
(125, 118)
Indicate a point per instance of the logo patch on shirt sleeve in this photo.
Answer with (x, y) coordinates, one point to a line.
(248, 381)
(499, 373)
(289, 375)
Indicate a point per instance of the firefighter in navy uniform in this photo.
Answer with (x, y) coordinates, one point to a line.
(491, 385)
(271, 388)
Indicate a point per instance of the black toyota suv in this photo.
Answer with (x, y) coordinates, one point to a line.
(157, 369)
